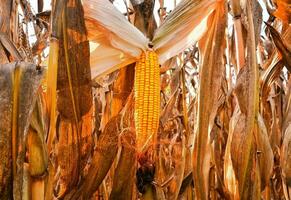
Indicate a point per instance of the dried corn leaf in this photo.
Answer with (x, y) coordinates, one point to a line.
(123, 180)
(230, 181)
(105, 153)
(270, 75)
(74, 102)
(74, 79)
(9, 46)
(286, 159)
(283, 10)
(170, 163)
(272, 72)
(211, 77)
(242, 148)
(68, 157)
(170, 109)
(284, 47)
(287, 113)
(178, 155)
(21, 81)
(239, 157)
(265, 153)
(6, 91)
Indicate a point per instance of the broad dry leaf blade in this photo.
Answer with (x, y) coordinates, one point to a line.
(21, 83)
(210, 83)
(266, 156)
(105, 153)
(242, 153)
(74, 100)
(6, 89)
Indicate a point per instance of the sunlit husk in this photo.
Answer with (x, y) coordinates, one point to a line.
(109, 30)
(185, 25)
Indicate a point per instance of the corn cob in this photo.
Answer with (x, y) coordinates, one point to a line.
(147, 98)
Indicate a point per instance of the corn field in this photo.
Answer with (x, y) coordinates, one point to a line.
(127, 100)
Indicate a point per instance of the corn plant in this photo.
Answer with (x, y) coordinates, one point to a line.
(152, 103)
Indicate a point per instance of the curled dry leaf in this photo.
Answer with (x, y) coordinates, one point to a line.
(170, 162)
(283, 47)
(105, 153)
(170, 110)
(286, 160)
(123, 181)
(229, 174)
(264, 153)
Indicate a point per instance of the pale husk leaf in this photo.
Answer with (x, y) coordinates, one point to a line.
(185, 25)
(110, 30)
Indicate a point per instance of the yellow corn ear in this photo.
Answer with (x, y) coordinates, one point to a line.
(147, 98)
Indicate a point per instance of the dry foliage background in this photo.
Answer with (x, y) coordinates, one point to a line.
(224, 128)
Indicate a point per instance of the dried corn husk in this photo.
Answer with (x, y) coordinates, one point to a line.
(117, 42)
(186, 24)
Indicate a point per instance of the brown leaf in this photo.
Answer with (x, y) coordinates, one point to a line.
(10, 47)
(282, 46)
(170, 110)
(21, 81)
(229, 174)
(105, 153)
(245, 183)
(124, 176)
(210, 83)
(240, 90)
(242, 148)
(6, 90)
(74, 99)
(283, 10)
(286, 157)
(264, 153)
